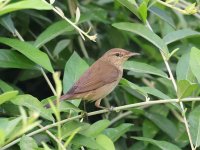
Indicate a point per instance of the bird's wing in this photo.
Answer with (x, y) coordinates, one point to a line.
(98, 75)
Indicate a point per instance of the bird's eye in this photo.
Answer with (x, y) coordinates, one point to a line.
(118, 55)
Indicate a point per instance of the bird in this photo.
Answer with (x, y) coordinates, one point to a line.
(101, 78)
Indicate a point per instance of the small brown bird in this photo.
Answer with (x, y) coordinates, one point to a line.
(101, 78)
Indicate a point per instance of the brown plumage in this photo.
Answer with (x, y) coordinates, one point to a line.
(101, 78)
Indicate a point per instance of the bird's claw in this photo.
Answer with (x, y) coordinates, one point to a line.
(111, 108)
(84, 114)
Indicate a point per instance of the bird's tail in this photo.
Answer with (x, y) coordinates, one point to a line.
(63, 97)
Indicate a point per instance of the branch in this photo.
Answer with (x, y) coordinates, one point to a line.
(117, 109)
(175, 88)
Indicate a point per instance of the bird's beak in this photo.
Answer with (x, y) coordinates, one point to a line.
(130, 54)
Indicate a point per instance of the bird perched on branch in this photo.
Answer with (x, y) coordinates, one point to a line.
(101, 78)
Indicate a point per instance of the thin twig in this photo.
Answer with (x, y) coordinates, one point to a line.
(175, 88)
(82, 46)
(53, 137)
(48, 81)
(120, 116)
(117, 109)
(45, 48)
(43, 73)
(81, 32)
(171, 6)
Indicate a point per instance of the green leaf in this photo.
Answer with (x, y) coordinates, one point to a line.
(9, 125)
(96, 128)
(29, 51)
(60, 46)
(5, 87)
(149, 129)
(69, 127)
(89, 142)
(163, 123)
(163, 145)
(143, 68)
(131, 5)
(195, 62)
(52, 31)
(7, 96)
(180, 34)
(27, 142)
(133, 86)
(74, 68)
(7, 22)
(183, 69)
(185, 88)
(144, 32)
(143, 10)
(194, 122)
(105, 142)
(162, 15)
(46, 147)
(12, 59)
(155, 92)
(67, 106)
(33, 104)
(2, 137)
(94, 13)
(115, 133)
(25, 4)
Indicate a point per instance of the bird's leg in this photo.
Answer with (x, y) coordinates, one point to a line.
(85, 110)
(97, 104)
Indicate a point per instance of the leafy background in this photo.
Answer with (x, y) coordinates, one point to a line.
(39, 38)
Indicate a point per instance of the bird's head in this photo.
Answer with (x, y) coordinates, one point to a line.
(118, 56)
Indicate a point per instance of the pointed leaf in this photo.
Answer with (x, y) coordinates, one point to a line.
(163, 145)
(96, 128)
(133, 86)
(33, 104)
(25, 4)
(7, 22)
(183, 69)
(143, 10)
(7, 96)
(89, 142)
(115, 133)
(13, 59)
(185, 88)
(163, 123)
(60, 46)
(131, 5)
(149, 129)
(195, 62)
(144, 32)
(52, 31)
(143, 68)
(155, 92)
(194, 122)
(180, 34)
(74, 68)
(27, 142)
(9, 125)
(105, 142)
(163, 15)
(29, 51)
(5, 87)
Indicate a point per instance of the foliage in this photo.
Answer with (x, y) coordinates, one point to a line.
(39, 38)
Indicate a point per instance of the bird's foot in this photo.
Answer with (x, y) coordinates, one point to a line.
(84, 114)
(111, 108)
